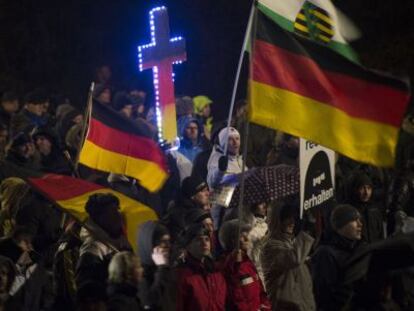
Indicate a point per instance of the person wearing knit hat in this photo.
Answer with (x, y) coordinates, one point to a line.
(284, 259)
(22, 152)
(246, 291)
(154, 251)
(196, 189)
(199, 216)
(194, 195)
(330, 258)
(200, 284)
(361, 197)
(104, 234)
(202, 109)
(52, 155)
(220, 164)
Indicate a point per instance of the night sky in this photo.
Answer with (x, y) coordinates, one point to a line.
(58, 44)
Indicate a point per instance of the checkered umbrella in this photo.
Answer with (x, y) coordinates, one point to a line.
(268, 184)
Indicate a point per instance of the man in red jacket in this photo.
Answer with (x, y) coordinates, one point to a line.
(245, 288)
(199, 285)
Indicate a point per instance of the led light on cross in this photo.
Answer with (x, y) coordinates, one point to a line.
(160, 55)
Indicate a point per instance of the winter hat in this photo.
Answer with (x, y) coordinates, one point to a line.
(46, 132)
(193, 231)
(21, 138)
(9, 96)
(195, 216)
(342, 215)
(361, 179)
(159, 231)
(229, 233)
(184, 106)
(223, 134)
(200, 102)
(99, 201)
(36, 97)
(192, 185)
(121, 100)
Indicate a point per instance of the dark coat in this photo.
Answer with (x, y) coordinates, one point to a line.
(328, 268)
(123, 297)
(200, 288)
(42, 221)
(95, 256)
(64, 269)
(156, 291)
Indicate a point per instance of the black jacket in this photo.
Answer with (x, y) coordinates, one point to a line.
(329, 265)
(122, 297)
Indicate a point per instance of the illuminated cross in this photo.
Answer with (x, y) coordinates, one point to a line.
(160, 55)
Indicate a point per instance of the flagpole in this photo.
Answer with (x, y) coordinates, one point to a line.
(250, 34)
(239, 66)
(86, 118)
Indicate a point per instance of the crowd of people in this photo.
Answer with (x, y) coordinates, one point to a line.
(198, 255)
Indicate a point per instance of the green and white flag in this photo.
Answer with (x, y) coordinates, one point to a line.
(318, 20)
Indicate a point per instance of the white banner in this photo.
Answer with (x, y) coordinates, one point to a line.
(317, 175)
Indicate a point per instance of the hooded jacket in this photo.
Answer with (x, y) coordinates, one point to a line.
(156, 291)
(235, 162)
(287, 277)
(187, 152)
(371, 216)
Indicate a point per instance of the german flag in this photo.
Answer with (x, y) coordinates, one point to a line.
(305, 89)
(118, 145)
(71, 195)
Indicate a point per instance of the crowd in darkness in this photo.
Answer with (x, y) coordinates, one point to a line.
(197, 255)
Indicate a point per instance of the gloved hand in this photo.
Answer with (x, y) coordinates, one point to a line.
(223, 163)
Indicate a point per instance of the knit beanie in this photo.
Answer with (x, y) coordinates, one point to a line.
(192, 185)
(342, 215)
(229, 233)
(195, 216)
(192, 232)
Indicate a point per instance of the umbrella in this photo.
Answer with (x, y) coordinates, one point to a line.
(394, 253)
(268, 184)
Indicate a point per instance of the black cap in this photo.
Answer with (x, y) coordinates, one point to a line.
(192, 185)
(342, 215)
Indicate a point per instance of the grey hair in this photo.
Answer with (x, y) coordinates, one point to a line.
(120, 269)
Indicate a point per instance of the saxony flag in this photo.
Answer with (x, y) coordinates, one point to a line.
(303, 88)
(315, 19)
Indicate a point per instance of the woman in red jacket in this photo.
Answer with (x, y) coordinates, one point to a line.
(245, 288)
